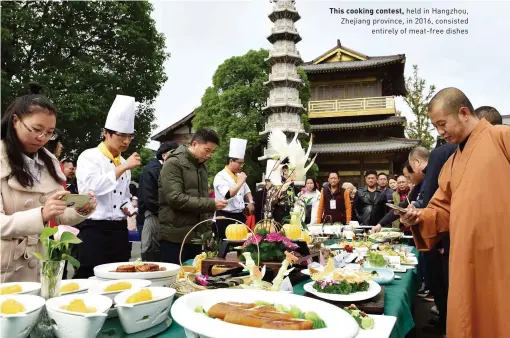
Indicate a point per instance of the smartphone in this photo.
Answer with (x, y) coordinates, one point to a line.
(76, 200)
(396, 207)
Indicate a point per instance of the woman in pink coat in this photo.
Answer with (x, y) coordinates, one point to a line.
(31, 186)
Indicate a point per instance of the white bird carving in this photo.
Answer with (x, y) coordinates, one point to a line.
(278, 142)
(298, 158)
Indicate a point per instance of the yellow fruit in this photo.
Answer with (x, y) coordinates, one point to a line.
(10, 307)
(118, 287)
(69, 287)
(236, 232)
(78, 305)
(141, 296)
(7, 290)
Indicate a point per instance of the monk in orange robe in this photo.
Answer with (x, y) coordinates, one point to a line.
(473, 204)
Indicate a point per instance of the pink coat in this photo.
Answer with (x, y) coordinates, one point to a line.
(21, 221)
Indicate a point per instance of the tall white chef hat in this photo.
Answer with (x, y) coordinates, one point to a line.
(237, 148)
(121, 117)
(274, 172)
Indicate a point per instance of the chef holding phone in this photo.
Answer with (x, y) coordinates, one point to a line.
(105, 172)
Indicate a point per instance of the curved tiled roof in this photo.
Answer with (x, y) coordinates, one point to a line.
(392, 121)
(384, 146)
(371, 62)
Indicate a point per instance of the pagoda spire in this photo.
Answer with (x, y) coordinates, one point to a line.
(284, 106)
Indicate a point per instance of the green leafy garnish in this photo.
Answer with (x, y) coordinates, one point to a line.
(317, 321)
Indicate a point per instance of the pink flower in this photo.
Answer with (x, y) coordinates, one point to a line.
(289, 244)
(65, 228)
(253, 240)
(275, 237)
(201, 280)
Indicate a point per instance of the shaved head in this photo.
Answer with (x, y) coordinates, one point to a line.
(490, 114)
(419, 152)
(452, 114)
(450, 100)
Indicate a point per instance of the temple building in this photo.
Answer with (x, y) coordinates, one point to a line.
(181, 131)
(353, 116)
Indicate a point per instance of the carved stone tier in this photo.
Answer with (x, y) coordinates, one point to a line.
(284, 71)
(287, 122)
(283, 109)
(284, 9)
(284, 96)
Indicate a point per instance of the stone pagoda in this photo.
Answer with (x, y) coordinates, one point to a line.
(283, 105)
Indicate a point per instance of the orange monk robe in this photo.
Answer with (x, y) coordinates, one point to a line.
(473, 204)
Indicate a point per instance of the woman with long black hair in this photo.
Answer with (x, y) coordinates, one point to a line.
(30, 185)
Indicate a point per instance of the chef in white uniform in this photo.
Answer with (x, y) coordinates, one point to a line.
(230, 184)
(105, 172)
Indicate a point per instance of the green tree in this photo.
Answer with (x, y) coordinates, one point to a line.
(146, 155)
(417, 98)
(84, 53)
(233, 107)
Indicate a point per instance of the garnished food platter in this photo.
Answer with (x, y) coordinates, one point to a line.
(194, 312)
(136, 270)
(372, 291)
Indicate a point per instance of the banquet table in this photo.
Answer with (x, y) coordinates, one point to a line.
(398, 302)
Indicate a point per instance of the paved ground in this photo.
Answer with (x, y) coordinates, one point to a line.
(421, 307)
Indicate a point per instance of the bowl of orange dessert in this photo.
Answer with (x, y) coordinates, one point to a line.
(75, 286)
(27, 288)
(18, 314)
(140, 309)
(78, 315)
(114, 287)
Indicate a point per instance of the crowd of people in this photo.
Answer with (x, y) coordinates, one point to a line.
(454, 218)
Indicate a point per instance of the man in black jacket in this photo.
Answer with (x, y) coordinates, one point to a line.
(369, 202)
(148, 204)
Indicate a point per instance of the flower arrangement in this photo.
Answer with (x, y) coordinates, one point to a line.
(272, 245)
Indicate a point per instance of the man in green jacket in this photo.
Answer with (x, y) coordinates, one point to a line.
(183, 196)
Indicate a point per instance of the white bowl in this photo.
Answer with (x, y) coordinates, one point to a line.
(100, 287)
(19, 325)
(29, 288)
(77, 325)
(84, 284)
(144, 315)
(339, 323)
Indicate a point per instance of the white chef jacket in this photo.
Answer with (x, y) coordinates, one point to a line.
(96, 172)
(222, 184)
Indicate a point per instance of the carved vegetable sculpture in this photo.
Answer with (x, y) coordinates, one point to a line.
(236, 232)
(292, 231)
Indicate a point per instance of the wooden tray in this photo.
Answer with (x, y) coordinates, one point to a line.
(373, 305)
(295, 276)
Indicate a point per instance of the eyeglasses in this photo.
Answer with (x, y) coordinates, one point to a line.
(51, 136)
(125, 136)
(240, 163)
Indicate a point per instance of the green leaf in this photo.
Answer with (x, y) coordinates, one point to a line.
(38, 256)
(74, 262)
(47, 232)
(68, 237)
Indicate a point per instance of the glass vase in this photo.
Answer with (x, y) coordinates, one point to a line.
(51, 276)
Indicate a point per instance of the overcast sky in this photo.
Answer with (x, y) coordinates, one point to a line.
(201, 35)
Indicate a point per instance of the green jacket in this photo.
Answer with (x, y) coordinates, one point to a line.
(183, 196)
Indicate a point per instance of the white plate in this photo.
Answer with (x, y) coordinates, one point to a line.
(383, 325)
(373, 290)
(105, 271)
(84, 285)
(339, 323)
(413, 261)
(29, 288)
